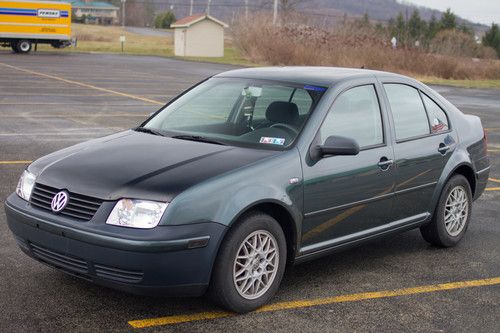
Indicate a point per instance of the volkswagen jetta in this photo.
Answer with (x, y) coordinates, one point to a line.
(249, 171)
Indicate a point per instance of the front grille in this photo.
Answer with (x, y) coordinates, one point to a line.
(81, 268)
(59, 260)
(79, 206)
(117, 274)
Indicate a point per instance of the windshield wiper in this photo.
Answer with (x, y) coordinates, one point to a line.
(148, 130)
(198, 138)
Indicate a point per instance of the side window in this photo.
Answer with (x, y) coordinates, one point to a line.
(437, 117)
(410, 118)
(356, 115)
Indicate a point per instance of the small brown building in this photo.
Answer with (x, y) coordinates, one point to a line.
(199, 35)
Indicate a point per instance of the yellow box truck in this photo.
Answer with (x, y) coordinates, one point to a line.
(24, 23)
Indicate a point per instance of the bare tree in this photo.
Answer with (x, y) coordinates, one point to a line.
(287, 6)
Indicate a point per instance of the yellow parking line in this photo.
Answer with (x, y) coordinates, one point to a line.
(315, 302)
(15, 162)
(494, 180)
(81, 84)
(492, 189)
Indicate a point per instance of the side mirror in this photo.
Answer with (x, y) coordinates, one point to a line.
(339, 145)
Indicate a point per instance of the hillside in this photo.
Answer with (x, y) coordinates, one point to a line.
(325, 10)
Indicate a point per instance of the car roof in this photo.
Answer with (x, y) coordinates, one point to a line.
(321, 76)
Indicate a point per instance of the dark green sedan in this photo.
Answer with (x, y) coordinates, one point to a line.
(247, 172)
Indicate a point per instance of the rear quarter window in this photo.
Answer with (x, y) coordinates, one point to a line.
(437, 117)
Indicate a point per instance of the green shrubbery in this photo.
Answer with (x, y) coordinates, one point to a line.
(492, 38)
(164, 20)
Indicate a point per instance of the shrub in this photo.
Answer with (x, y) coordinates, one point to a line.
(347, 46)
(492, 38)
(455, 43)
(164, 20)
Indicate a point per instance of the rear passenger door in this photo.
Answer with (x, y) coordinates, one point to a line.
(422, 147)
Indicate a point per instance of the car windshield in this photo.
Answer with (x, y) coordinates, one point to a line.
(240, 112)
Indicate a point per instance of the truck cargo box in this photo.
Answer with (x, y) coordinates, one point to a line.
(23, 23)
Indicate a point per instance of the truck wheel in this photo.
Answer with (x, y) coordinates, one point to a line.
(250, 264)
(23, 46)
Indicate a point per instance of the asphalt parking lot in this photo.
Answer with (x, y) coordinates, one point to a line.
(51, 101)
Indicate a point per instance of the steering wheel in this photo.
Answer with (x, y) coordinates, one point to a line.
(286, 127)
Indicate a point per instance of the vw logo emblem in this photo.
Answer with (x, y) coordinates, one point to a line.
(59, 201)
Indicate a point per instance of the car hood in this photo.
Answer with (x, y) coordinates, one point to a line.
(139, 165)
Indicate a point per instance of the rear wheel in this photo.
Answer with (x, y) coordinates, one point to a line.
(23, 46)
(13, 46)
(250, 264)
(452, 216)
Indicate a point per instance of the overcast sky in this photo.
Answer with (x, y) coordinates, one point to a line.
(482, 11)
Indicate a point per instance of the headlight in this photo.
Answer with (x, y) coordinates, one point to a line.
(25, 185)
(141, 214)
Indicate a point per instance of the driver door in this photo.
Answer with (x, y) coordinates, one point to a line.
(346, 195)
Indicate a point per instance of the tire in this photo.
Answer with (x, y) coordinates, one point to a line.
(13, 46)
(228, 284)
(23, 46)
(445, 230)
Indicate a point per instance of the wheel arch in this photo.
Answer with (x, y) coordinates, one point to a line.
(282, 215)
(468, 172)
(463, 168)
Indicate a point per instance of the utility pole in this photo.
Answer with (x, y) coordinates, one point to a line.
(246, 9)
(123, 13)
(275, 14)
(191, 8)
(208, 7)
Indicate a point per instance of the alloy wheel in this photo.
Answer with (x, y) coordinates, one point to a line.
(456, 211)
(256, 264)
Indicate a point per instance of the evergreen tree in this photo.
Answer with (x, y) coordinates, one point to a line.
(364, 22)
(416, 25)
(400, 29)
(448, 20)
(433, 27)
(492, 38)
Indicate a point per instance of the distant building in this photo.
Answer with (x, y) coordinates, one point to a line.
(97, 12)
(199, 35)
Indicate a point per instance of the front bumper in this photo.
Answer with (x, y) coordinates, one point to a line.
(166, 260)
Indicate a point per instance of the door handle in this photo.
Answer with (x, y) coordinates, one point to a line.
(385, 163)
(443, 148)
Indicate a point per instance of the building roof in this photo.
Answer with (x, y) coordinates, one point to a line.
(91, 4)
(188, 21)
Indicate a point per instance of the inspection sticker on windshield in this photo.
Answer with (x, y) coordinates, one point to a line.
(272, 141)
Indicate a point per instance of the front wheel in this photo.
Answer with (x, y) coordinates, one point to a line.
(250, 264)
(452, 215)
